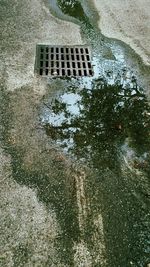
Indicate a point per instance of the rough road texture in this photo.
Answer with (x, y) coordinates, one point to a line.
(29, 228)
(23, 25)
(43, 206)
(45, 199)
(127, 21)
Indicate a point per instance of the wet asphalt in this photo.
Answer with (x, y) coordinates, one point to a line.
(93, 171)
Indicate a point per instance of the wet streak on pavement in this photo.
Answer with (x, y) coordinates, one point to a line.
(107, 127)
(92, 175)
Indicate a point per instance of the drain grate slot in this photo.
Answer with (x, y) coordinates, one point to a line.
(63, 61)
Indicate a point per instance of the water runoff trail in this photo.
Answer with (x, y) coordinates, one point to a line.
(102, 124)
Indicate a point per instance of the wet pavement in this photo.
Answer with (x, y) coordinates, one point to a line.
(80, 154)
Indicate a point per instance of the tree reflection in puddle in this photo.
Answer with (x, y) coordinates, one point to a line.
(94, 124)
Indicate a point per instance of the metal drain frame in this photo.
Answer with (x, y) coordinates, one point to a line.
(63, 61)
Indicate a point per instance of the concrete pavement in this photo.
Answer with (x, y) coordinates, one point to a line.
(127, 21)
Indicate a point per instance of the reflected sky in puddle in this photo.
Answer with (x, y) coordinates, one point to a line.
(92, 117)
(69, 104)
(102, 121)
(93, 123)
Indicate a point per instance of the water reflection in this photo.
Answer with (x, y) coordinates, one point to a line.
(72, 8)
(93, 124)
(103, 124)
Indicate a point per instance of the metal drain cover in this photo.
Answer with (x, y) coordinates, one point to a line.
(63, 61)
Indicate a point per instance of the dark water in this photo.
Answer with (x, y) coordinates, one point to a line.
(93, 124)
(104, 122)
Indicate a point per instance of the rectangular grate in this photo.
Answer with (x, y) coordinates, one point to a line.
(63, 61)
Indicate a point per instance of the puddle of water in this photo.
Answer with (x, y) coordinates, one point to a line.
(98, 125)
(72, 8)
(91, 120)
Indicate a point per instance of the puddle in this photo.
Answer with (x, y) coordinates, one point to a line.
(102, 107)
(92, 123)
(105, 125)
(103, 122)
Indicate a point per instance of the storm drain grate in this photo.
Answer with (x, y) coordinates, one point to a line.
(63, 61)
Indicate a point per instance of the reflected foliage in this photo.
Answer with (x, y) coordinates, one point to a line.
(108, 114)
(72, 8)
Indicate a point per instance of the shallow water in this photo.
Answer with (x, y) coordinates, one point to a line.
(103, 122)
